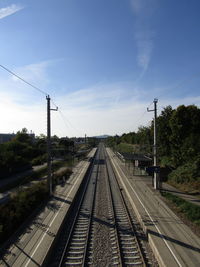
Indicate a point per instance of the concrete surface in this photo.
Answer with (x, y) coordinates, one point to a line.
(33, 245)
(173, 243)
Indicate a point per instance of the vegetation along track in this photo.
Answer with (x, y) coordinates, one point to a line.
(102, 233)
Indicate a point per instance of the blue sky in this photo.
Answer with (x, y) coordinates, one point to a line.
(102, 62)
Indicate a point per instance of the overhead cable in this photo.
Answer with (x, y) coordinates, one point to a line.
(20, 78)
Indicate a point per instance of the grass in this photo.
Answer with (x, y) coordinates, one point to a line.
(20, 207)
(35, 175)
(192, 187)
(189, 210)
(24, 202)
(123, 147)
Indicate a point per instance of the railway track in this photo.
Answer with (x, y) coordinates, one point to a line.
(102, 231)
(75, 248)
(130, 250)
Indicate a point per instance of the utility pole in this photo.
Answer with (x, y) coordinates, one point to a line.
(49, 178)
(156, 175)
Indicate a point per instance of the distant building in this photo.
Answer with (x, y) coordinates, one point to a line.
(79, 140)
(8, 137)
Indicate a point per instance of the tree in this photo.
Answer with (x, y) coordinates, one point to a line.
(128, 138)
(185, 138)
(164, 132)
(144, 137)
(23, 137)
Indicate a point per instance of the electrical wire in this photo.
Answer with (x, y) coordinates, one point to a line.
(69, 123)
(144, 112)
(43, 92)
(20, 78)
(54, 104)
(68, 128)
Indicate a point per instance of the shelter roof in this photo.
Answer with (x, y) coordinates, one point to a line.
(135, 156)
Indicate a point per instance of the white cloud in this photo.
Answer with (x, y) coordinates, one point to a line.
(9, 10)
(17, 116)
(33, 73)
(22, 105)
(143, 10)
(96, 110)
(100, 109)
(145, 47)
(99, 96)
(109, 108)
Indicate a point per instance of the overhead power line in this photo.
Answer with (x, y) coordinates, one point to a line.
(66, 121)
(139, 119)
(41, 91)
(20, 78)
(54, 104)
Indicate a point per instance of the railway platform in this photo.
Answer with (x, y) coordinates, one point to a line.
(34, 244)
(173, 243)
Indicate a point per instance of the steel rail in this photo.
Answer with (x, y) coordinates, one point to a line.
(63, 259)
(117, 248)
(130, 256)
(91, 216)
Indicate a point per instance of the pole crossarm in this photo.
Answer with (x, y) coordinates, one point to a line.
(155, 108)
(149, 110)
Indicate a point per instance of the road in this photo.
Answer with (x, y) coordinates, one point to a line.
(21, 175)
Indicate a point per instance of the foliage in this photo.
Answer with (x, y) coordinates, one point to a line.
(178, 141)
(144, 137)
(164, 132)
(20, 207)
(123, 147)
(36, 174)
(17, 154)
(23, 151)
(185, 138)
(39, 160)
(23, 137)
(186, 173)
(128, 138)
(190, 210)
(60, 174)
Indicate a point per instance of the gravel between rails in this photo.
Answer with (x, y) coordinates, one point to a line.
(103, 248)
(100, 253)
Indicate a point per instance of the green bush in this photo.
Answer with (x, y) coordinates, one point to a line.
(123, 147)
(65, 172)
(186, 173)
(39, 160)
(20, 207)
(190, 210)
